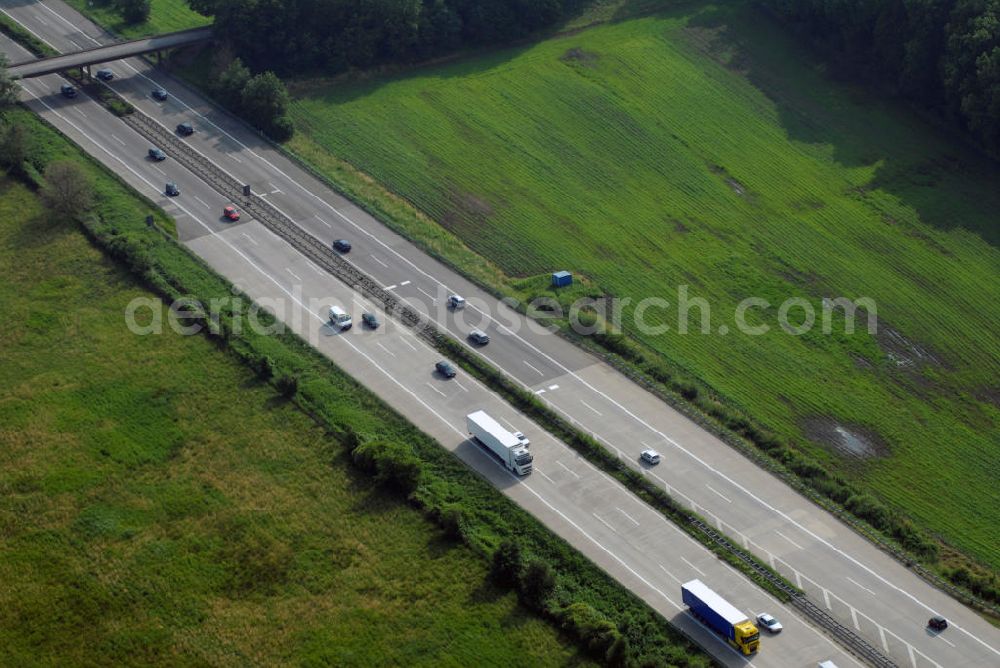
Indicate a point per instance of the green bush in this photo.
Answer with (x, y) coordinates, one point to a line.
(597, 632)
(536, 585)
(507, 564)
(288, 386)
(391, 462)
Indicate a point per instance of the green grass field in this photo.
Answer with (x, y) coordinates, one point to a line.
(700, 146)
(158, 504)
(164, 16)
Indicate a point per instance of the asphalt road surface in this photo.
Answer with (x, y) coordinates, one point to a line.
(861, 586)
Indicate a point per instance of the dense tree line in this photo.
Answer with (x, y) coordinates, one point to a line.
(333, 35)
(943, 54)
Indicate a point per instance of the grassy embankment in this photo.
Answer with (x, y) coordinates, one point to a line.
(164, 16)
(192, 503)
(701, 147)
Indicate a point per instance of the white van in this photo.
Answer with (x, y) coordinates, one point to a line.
(339, 318)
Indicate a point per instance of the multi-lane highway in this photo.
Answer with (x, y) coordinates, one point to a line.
(865, 589)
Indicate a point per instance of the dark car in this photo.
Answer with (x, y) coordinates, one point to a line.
(172, 190)
(105, 74)
(370, 320)
(157, 154)
(342, 245)
(185, 129)
(445, 369)
(479, 337)
(67, 90)
(938, 623)
(159, 94)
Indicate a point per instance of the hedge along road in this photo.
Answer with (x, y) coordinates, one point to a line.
(860, 586)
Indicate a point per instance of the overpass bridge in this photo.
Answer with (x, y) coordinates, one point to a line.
(108, 53)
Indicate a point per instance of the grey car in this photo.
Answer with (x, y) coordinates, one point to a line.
(157, 155)
(105, 74)
(445, 369)
(159, 94)
(479, 337)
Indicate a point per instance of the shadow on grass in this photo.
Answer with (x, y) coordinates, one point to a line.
(925, 164)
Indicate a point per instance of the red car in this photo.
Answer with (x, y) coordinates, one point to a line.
(231, 213)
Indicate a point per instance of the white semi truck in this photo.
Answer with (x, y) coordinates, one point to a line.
(512, 449)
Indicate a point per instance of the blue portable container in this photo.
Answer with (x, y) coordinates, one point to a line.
(561, 279)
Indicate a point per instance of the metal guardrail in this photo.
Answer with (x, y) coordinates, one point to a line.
(322, 255)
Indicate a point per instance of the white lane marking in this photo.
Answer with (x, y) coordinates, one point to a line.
(118, 140)
(460, 385)
(942, 638)
(158, 169)
(274, 189)
(853, 581)
(314, 267)
(235, 158)
(569, 470)
(826, 599)
(913, 659)
(202, 202)
(532, 367)
(696, 569)
(391, 287)
(631, 519)
(293, 274)
(788, 539)
(881, 632)
(408, 344)
(598, 517)
(672, 576)
(553, 387)
(590, 407)
(324, 222)
(429, 295)
(854, 618)
(404, 283)
(80, 111)
(539, 391)
(40, 19)
(250, 239)
(507, 422)
(717, 492)
(381, 262)
(379, 344)
(539, 472)
(440, 392)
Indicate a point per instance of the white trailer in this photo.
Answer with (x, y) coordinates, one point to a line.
(511, 450)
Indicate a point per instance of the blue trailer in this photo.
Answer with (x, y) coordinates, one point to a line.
(721, 616)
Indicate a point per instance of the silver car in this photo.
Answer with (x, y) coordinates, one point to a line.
(651, 457)
(769, 622)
